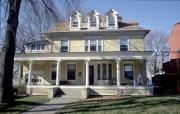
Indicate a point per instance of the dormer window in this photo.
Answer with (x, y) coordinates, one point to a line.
(75, 22)
(111, 21)
(93, 21)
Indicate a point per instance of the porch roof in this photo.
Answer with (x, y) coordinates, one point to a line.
(84, 55)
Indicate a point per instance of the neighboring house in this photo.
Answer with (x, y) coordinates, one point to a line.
(172, 67)
(89, 55)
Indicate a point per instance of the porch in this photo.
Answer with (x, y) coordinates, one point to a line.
(90, 73)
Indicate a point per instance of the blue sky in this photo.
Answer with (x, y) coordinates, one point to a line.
(151, 14)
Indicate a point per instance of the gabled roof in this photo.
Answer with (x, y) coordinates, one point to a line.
(93, 12)
(112, 11)
(76, 13)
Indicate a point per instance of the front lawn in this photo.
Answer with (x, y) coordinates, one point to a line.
(126, 105)
(23, 104)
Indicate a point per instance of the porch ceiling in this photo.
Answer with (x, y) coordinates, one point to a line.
(84, 55)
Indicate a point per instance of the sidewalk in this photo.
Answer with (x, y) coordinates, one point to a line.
(52, 107)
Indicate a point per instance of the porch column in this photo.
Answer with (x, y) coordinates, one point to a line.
(118, 71)
(148, 72)
(87, 72)
(30, 72)
(58, 72)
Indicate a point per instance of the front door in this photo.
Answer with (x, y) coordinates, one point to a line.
(91, 74)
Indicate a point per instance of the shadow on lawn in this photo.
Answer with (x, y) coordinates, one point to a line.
(132, 103)
(19, 106)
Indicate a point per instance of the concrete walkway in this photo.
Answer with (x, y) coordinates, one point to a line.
(52, 107)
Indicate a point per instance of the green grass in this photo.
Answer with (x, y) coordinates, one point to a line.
(126, 105)
(23, 104)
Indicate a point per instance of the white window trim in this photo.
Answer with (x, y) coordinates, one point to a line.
(120, 42)
(97, 45)
(75, 72)
(68, 44)
(35, 50)
(129, 62)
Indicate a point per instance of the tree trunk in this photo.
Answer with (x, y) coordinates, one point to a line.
(6, 73)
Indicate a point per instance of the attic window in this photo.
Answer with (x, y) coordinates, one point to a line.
(75, 22)
(93, 21)
(111, 21)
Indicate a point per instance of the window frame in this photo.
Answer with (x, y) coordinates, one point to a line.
(132, 71)
(30, 47)
(109, 21)
(95, 21)
(65, 39)
(87, 43)
(53, 79)
(75, 77)
(127, 43)
(75, 19)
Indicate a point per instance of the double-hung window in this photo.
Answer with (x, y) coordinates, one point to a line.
(128, 71)
(124, 44)
(111, 21)
(64, 46)
(93, 21)
(75, 22)
(93, 45)
(71, 71)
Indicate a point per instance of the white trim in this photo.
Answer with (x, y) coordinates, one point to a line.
(64, 38)
(120, 37)
(129, 62)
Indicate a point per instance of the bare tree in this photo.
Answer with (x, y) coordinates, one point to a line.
(156, 41)
(13, 8)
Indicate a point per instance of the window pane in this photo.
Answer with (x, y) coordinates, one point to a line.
(53, 72)
(33, 47)
(99, 71)
(104, 76)
(42, 46)
(38, 46)
(110, 71)
(93, 21)
(111, 21)
(86, 45)
(92, 45)
(71, 71)
(64, 45)
(29, 46)
(123, 44)
(128, 71)
(75, 22)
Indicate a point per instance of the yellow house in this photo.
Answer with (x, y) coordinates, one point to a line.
(89, 55)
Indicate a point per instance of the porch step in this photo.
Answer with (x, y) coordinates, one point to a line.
(69, 93)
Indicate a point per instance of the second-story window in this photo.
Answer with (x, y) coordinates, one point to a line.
(111, 21)
(93, 45)
(124, 44)
(93, 21)
(64, 45)
(36, 47)
(75, 22)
